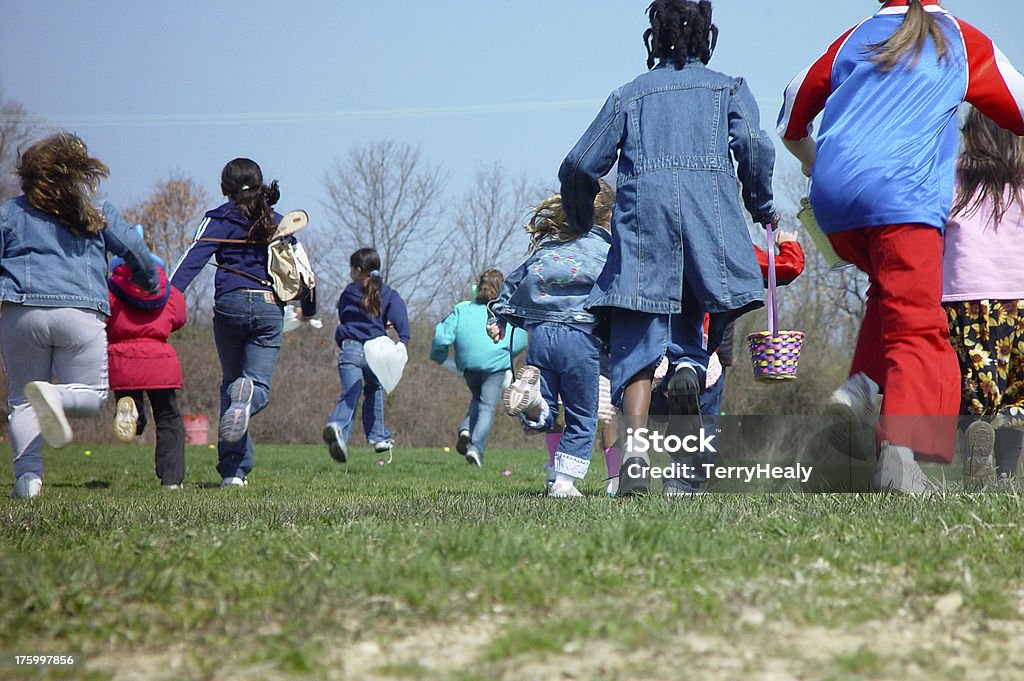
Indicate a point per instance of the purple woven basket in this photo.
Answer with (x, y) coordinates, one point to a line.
(775, 357)
(773, 353)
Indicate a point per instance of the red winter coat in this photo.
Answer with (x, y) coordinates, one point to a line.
(139, 355)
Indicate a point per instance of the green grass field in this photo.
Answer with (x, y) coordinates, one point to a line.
(431, 569)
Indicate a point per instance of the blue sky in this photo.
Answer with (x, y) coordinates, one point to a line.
(181, 88)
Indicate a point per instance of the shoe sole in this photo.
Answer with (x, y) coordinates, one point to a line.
(683, 394)
(632, 486)
(126, 420)
(462, 446)
(235, 422)
(334, 446)
(514, 397)
(979, 468)
(53, 424)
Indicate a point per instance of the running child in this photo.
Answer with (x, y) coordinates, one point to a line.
(545, 295)
(686, 140)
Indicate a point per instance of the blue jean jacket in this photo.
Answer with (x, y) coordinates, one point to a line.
(677, 207)
(44, 264)
(553, 284)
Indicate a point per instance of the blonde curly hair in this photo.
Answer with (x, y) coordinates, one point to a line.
(59, 177)
(549, 223)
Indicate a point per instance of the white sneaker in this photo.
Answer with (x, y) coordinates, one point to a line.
(855, 400)
(235, 421)
(49, 408)
(896, 471)
(178, 486)
(612, 488)
(561, 489)
(979, 467)
(332, 436)
(473, 457)
(234, 482)
(27, 485)
(126, 420)
(524, 392)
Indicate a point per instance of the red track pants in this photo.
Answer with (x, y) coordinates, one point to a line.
(904, 338)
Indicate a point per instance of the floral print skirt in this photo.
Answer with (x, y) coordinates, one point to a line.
(988, 336)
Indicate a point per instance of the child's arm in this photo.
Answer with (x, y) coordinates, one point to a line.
(444, 336)
(179, 312)
(198, 254)
(994, 86)
(804, 99)
(398, 316)
(589, 161)
(754, 154)
(789, 263)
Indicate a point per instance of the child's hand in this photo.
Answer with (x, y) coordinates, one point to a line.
(782, 237)
(496, 332)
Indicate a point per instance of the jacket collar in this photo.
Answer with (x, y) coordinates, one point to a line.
(901, 7)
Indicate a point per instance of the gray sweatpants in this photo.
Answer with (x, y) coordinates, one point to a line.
(64, 345)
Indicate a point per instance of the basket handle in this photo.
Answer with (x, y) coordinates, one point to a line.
(773, 308)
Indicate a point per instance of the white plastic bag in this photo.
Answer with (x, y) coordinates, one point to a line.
(386, 360)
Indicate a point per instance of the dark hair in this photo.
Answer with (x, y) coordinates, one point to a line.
(489, 286)
(680, 29)
(912, 34)
(366, 260)
(991, 166)
(242, 182)
(59, 177)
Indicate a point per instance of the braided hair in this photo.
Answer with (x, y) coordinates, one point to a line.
(680, 29)
(242, 182)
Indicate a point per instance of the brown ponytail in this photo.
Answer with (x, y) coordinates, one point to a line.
(911, 36)
(991, 166)
(367, 261)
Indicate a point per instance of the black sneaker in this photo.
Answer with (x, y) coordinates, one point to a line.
(634, 477)
(462, 446)
(684, 389)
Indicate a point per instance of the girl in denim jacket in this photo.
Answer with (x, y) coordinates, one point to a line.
(54, 241)
(546, 295)
(686, 139)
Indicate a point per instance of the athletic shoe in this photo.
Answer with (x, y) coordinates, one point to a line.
(49, 408)
(473, 457)
(855, 400)
(463, 444)
(561, 489)
(126, 420)
(896, 471)
(335, 442)
(383, 446)
(611, 489)
(174, 486)
(634, 476)
(524, 392)
(234, 482)
(684, 391)
(235, 422)
(979, 468)
(27, 485)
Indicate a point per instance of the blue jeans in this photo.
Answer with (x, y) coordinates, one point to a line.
(485, 386)
(247, 327)
(569, 360)
(356, 378)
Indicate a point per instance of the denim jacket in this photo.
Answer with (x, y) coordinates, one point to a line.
(677, 207)
(44, 264)
(552, 284)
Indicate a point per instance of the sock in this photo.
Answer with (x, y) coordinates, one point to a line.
(613, 461)
(553, 440)
(562, 479)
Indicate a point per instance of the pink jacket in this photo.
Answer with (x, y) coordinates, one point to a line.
(981, 261)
